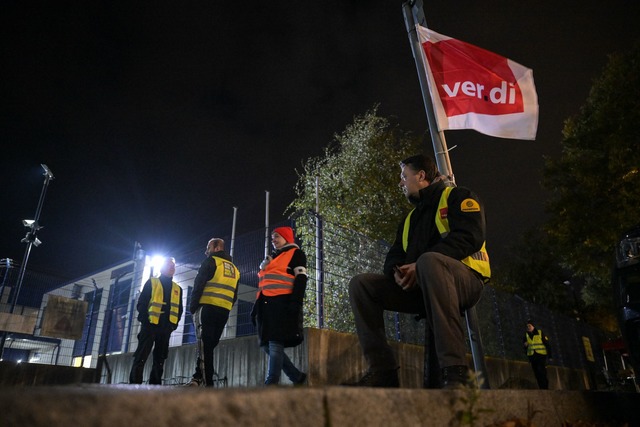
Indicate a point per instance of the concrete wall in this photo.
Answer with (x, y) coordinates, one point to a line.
(329, 358)
(157, 406)
(332, 358)
(29, 374)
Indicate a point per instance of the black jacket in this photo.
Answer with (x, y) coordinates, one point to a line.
(467, 229)
(279, 318)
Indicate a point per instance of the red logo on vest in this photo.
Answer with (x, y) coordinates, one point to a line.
(443, 213)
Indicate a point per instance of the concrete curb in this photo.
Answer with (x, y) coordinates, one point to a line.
(160, 406)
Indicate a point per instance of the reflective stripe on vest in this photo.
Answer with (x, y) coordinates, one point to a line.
(274, 279)
(221, 289)
(157, 303)
(478, 261)
(536, 344)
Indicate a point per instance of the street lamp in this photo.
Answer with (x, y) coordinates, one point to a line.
(30, 239)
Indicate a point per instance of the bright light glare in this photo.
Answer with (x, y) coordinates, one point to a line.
(156, 262)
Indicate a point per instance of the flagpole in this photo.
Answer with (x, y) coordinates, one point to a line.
(266, 224)
(413, 14)
(233, 230)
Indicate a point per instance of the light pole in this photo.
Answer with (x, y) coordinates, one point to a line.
(86, 341)
(30, 239)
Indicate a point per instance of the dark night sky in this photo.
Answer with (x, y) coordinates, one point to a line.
(157, 119)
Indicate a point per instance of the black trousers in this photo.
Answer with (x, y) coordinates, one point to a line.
(150, 337)
(209, 322)
(539, 366)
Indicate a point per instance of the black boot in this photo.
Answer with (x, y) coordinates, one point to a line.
(456, 376)
(156, 372)
(135, 376)
(387, 378)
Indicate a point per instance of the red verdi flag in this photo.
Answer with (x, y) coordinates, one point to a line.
(473, 88)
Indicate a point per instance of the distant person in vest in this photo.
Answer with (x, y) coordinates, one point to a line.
(537, 346)
(215, 290)
(436, 267)
(277, 312)
(159, 311)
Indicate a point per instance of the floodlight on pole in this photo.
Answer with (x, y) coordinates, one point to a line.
(30, 239)
(47, 171)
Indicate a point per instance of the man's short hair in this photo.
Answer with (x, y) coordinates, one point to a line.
(420, 162)
(217, 242)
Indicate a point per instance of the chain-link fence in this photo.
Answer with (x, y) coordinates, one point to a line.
(76, 323)
(502, 316)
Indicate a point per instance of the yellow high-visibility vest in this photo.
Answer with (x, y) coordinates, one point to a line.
(478, 261)
(536, 344)
(156, 303)
(221, 289)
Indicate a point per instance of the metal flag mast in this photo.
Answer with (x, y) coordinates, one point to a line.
(266, 224)
(413, 14)
(233, 230)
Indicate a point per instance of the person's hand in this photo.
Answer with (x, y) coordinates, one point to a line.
(265, 262)
(143, 317)
(405, 276)
(254, 314)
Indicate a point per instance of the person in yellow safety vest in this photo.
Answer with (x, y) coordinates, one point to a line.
(159, 312)
(537, 346)
(277, 312)
(436, 267)
(215, 290)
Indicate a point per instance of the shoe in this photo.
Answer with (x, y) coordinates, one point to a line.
(378, 379)
(194, 382)
(302, 380)
(455, 377)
